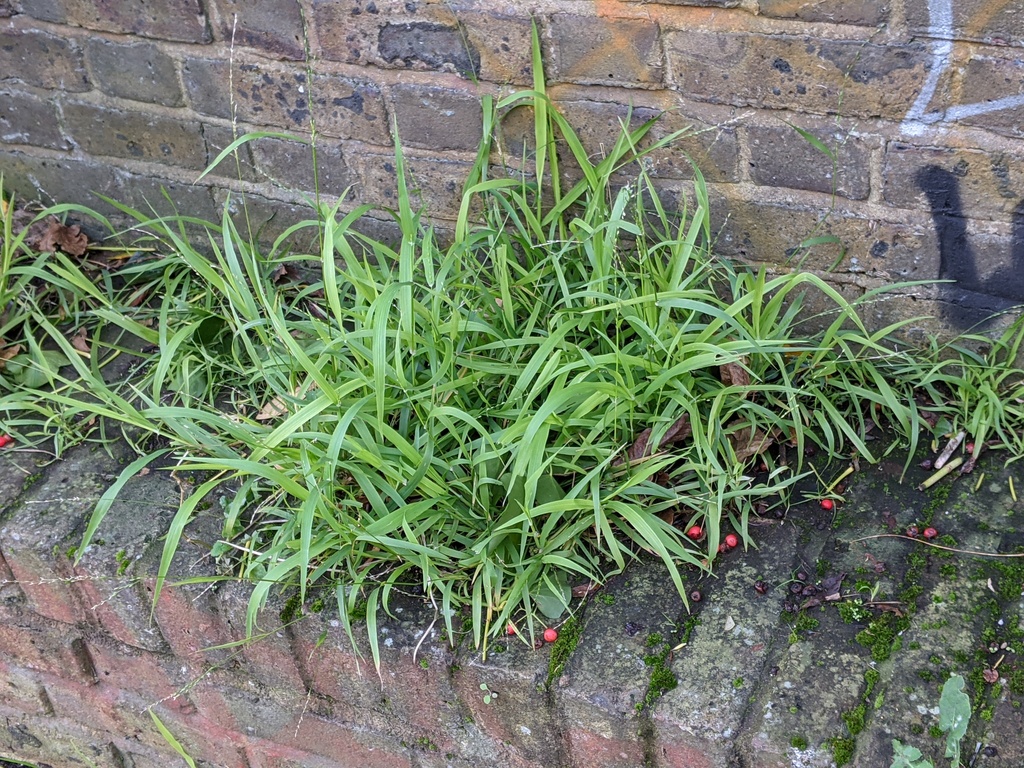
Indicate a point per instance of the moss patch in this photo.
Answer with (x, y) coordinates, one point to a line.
(563, 647)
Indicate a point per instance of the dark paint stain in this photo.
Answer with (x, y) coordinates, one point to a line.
(353, 102)
(957, 260)
(865, 63)
(879, 249)
(782, 66)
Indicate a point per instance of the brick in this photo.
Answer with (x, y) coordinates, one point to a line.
(41, 59)
(785, 72)
(781, 157)
(65, 179)
(991, 81)
(238, 165)
(37, 645)
(269, 218)
(141, 72)
(502, 44)
(22, 690)
(36, 533)
(598, 124)
(105, 575)
(995, 23)
(148, 676)
(179, 20)
(863, 12)
(289, 164)
(29, 119)
(988, 184)
(342, 107)
(436, 185)
(517, 718)
(427, 45)
(103, 131)
(271, 26)
(437, 118)
(624, 52)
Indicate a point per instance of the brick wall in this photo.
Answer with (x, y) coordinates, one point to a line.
(921, 102)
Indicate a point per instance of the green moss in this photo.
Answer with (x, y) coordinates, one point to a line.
(607, 598)
(123, 561)
(948, 570)
(292, 609)
(870, 681)
(935, 732)
(737, 683)
(880, 637)
(842, 750)
(562, 648)
(916, 728)
(691, 623)
(653, 639)
(854, 719)
(1016, 681)
(798, 742)
(939, 496)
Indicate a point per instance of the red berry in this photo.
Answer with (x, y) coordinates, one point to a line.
(695, 532)
(731, 540)
(930, 533)
(970, 447)
(511, 628)
(5, 440)
(550, 635)
(827, 504)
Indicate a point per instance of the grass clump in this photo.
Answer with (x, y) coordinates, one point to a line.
(475, 420)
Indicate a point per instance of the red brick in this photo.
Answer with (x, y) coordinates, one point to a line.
(41, 646)
(340, 740)
(437, 118)
(982, 20)
(595, 750)
(150, 676)
(22, 690)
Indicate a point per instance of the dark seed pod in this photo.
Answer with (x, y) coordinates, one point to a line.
(809, 590)
(926, 464)
(795, 588)
(696, 596)
(761, 587)
(789, 607)
(912, 531)
(801, 576)
(990, 751)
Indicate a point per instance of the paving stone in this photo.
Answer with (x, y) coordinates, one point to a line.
(41, 59)
(138, 71)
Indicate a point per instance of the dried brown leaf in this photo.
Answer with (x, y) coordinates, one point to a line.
(889, 608)
(80, 342)
(584, 589)
(8, 352)
(735, 374)
(749, 442)
(60, 237)
(990, 676)
(272, 409)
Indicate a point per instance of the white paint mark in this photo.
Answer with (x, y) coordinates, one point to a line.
(940, 29)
